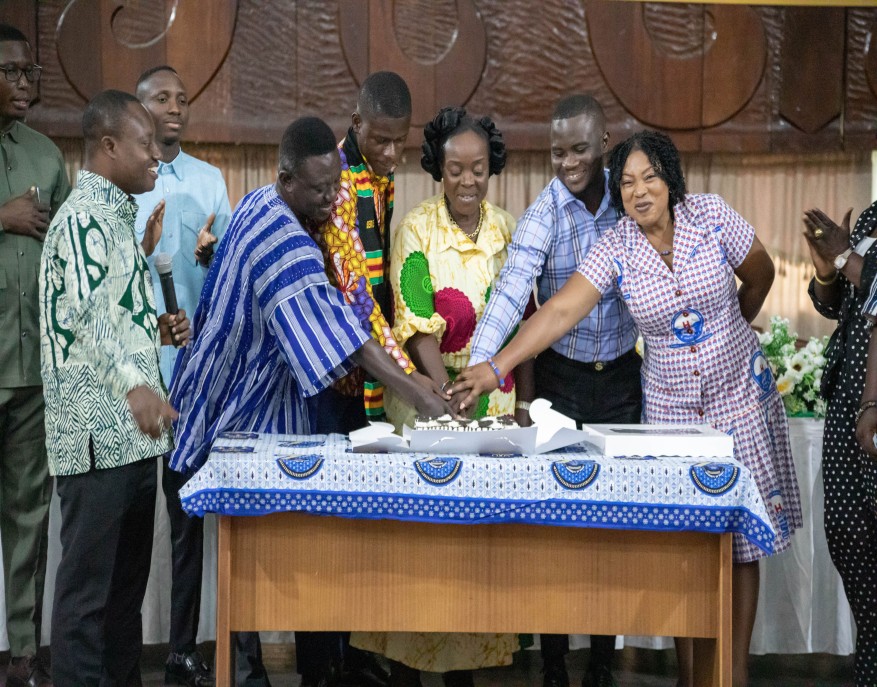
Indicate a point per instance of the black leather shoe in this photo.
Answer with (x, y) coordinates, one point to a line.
(187, 669)
(602, 677)
(363, 671)
(554, 673)
(27, 671)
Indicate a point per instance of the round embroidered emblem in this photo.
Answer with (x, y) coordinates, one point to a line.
(575, 474)
(714, 478)
(761, 372)
(456, 309)
(439, 470)
(300, 467)
(416, 285)
(689, 327)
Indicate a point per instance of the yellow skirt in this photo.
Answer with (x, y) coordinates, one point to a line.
(440, 652)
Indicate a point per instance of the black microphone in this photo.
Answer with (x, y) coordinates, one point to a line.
(163, 264)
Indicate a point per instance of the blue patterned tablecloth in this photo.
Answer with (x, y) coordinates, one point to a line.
(257, 474)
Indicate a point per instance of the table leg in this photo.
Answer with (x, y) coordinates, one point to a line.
(224, 654)
(712, 656)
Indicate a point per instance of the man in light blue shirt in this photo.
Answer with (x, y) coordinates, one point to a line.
(591, 374)
(193, 198)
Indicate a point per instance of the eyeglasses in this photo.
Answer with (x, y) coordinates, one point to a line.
(13, 73)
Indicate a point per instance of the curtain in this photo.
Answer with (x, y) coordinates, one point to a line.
(770, 191)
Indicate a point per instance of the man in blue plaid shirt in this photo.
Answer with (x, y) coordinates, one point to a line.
(592, 374)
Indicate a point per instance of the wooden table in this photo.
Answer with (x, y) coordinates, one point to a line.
(294, 571)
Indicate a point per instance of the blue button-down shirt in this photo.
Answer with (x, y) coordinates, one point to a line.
(552, 238)
(192, 190)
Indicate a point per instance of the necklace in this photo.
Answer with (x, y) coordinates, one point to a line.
(665, 253)
(471, 235)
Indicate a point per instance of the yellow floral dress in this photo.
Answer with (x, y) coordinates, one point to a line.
(441, 282)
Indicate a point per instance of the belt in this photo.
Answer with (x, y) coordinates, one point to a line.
(598, 366)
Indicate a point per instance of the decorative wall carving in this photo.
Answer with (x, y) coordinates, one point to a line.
(682, 66)
(717, 77)
(370, 38)
(109, 43)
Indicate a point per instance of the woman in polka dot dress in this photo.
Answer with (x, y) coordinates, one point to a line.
(846, 267)
(674, 258)
(447, 253)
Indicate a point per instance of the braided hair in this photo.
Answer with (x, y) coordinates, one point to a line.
(663, 157)
(449, 122)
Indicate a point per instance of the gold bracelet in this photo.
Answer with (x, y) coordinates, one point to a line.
(826, 282)
(867, 405)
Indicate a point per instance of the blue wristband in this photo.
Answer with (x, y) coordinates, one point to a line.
(496, 371)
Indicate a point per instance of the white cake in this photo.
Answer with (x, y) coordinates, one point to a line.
(447, 423)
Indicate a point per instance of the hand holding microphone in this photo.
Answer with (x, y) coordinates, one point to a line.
(174, 325)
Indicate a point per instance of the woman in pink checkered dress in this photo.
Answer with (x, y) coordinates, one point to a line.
(674, 257)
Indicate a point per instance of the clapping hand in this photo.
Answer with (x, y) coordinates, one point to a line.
(206, 242)
(154, 224)
(25, 216)
(825, 238)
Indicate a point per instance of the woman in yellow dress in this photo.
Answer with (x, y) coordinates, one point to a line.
(446, 256)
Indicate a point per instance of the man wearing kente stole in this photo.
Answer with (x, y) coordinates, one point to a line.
(356, 242)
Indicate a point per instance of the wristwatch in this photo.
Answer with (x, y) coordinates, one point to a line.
(841, 260)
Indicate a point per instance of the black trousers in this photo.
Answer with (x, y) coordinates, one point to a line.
(587, 395)
(106, 538)
(187, 563)
(187, 559)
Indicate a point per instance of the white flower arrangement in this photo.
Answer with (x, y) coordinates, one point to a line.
(798, 371)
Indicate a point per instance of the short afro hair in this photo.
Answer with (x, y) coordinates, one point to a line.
(105, 114)
(305, 137)
(8, 33)
(450, 122)
(663, 157)
(145, 76)
(384, 94)
(576, 105)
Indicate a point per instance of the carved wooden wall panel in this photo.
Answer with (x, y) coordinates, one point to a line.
(717, 77)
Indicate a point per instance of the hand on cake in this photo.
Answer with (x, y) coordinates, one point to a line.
(428, 383)
(474, 381)
(458, 396)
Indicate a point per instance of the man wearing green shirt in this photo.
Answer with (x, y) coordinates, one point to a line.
(33, 183)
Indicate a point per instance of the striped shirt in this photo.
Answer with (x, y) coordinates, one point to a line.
(552, 238)
(270, 331)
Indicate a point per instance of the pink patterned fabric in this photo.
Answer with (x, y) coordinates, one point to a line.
(456, 309)
(703, 363)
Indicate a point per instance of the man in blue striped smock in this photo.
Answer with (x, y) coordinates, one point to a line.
(270, 331)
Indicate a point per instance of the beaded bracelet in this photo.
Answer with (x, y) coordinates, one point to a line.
(867, 405)
(522, 405)
(496, 371)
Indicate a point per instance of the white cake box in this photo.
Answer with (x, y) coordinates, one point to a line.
(660, 440)
(551, 431)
